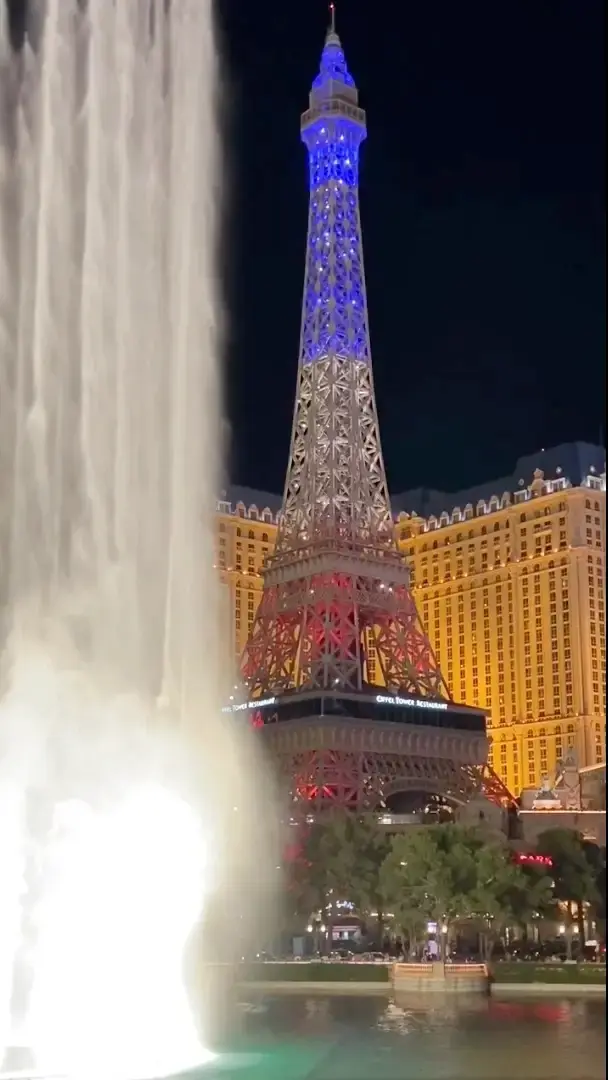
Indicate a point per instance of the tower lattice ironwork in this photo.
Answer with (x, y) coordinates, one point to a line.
(336, 591)
(337, 615)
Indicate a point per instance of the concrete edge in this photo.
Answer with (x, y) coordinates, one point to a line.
(536, 989)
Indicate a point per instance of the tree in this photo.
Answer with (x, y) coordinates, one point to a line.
(410, 922)
(368, 848)
(328, 868)
(449, 873)
(432, 871)
(509, 895)
(596, 857)
(574, 876)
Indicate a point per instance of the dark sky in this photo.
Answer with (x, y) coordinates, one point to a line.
(483, 215)
(483, 218)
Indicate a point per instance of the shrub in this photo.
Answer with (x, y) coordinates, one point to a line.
(528, 972)
(304, 971)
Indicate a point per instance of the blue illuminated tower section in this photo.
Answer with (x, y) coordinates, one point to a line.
(333, 128)
(335, 482)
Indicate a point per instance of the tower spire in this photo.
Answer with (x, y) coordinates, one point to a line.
(332, 21)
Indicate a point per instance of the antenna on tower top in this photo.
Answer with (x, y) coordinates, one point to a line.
(332, 18)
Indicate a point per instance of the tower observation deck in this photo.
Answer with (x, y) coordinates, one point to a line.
(351, 698)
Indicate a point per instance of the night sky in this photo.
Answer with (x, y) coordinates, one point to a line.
(483, 215)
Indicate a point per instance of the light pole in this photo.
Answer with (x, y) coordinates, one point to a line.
(318, 930)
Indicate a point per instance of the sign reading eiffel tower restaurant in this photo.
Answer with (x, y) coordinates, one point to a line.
(341, 676)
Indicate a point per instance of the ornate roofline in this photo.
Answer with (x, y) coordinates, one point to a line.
(537, 488)
(251, 513)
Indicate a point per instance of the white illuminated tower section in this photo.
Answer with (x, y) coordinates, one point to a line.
(337, 629)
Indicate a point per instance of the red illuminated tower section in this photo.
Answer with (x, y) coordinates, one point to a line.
(356, 706)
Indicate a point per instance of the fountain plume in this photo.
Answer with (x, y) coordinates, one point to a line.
(121, 783)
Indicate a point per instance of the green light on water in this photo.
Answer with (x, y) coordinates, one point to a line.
(285, 1061)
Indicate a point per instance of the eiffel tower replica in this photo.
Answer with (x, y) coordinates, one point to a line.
(342, 679)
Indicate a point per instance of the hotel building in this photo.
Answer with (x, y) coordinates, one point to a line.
(509, 580)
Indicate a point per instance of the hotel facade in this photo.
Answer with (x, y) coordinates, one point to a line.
(509, 580)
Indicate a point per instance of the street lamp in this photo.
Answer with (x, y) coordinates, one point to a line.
(318, 929)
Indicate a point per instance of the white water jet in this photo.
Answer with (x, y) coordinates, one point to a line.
(119, 776)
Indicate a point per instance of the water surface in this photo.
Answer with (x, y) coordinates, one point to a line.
(330, 1037)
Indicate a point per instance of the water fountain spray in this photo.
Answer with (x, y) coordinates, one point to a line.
(118, 771)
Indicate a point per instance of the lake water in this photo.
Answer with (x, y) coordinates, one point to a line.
(331, 1037)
